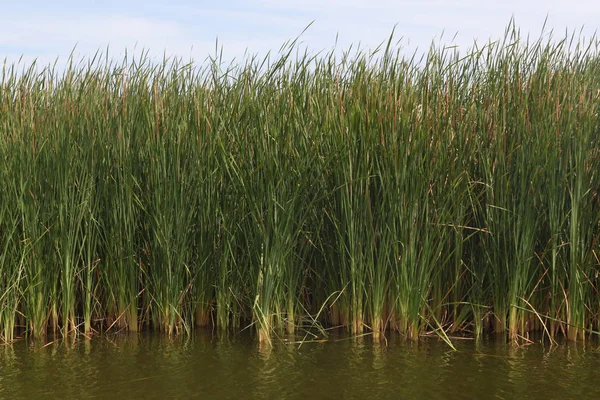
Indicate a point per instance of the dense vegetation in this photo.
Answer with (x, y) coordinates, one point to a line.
(457, 193)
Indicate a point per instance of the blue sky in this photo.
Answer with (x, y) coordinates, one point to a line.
(47, 30)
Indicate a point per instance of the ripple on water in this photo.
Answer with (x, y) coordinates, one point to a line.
(204, 366)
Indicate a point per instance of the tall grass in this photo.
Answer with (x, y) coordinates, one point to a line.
(368, 190)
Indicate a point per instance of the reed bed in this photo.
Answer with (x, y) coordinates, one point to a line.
(371, 191)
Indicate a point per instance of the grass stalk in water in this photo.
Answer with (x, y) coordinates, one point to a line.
(457, 191)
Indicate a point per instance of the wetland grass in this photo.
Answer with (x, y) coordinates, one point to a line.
(457, 193)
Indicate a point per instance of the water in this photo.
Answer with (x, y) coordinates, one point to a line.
(151, 366)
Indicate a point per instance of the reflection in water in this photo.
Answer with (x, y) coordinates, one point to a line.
(232, 366)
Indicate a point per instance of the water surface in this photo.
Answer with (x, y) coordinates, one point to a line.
(151, 366)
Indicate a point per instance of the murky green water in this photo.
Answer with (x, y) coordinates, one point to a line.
(153, 367)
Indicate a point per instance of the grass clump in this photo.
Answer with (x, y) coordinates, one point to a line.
(454, 193)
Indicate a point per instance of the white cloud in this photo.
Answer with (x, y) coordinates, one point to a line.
(46, 39)
(263, 25)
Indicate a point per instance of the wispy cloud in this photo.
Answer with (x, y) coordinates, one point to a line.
(38, 32)
(189, 29)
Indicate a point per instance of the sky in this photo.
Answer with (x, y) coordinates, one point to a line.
(46, 30)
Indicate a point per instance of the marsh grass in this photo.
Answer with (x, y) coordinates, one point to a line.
(368, 190)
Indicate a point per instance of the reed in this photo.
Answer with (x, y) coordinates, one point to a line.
(369, 190)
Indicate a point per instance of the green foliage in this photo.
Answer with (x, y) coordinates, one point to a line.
(371, 191)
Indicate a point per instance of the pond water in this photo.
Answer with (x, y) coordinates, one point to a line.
(151, 366)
